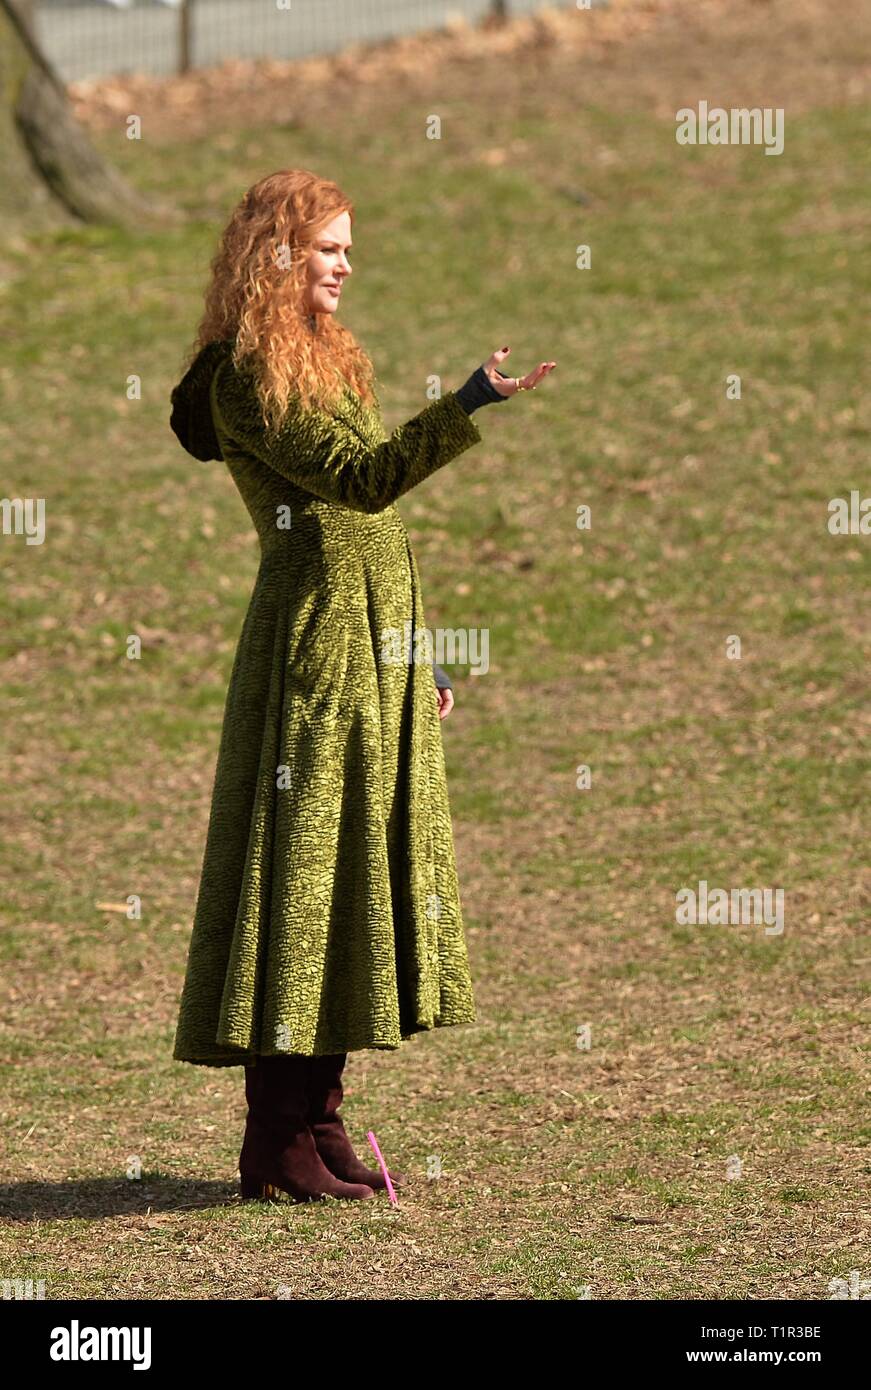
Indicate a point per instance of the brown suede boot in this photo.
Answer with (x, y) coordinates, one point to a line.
(325, 1095)
(278, 1151)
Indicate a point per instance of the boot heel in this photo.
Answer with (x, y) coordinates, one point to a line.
(255, 1189)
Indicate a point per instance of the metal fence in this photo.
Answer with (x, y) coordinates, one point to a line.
(99, 38)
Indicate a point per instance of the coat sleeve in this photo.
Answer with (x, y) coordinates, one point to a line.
(326, 457)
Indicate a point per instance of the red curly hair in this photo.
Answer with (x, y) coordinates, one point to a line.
(255, 297)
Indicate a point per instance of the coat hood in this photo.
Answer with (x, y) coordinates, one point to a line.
(191, 418)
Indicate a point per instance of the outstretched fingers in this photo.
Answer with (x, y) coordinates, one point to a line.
(509, 385)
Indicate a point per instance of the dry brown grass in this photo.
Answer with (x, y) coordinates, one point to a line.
(561, 1168)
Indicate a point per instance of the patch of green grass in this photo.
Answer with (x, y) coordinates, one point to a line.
(607, 648)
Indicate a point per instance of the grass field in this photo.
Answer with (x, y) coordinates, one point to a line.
(609, 1171)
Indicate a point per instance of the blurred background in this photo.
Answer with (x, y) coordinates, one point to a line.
(94, 38)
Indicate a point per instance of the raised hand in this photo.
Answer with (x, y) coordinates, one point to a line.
(509, 385)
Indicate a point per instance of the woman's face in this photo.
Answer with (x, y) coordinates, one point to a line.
(328, 266)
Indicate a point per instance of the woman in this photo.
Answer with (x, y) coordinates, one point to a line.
(328, 916)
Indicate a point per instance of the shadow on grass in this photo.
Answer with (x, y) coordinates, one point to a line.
(90, 1198)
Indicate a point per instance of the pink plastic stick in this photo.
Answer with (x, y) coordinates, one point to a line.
(390, 1189)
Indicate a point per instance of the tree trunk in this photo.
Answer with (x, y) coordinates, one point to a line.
(50, 172)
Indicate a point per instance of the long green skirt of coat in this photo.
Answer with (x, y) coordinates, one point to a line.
(328, 916)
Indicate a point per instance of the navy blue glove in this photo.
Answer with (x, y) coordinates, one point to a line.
(479, 390)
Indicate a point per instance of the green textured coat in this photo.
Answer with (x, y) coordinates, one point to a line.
(328, 916)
